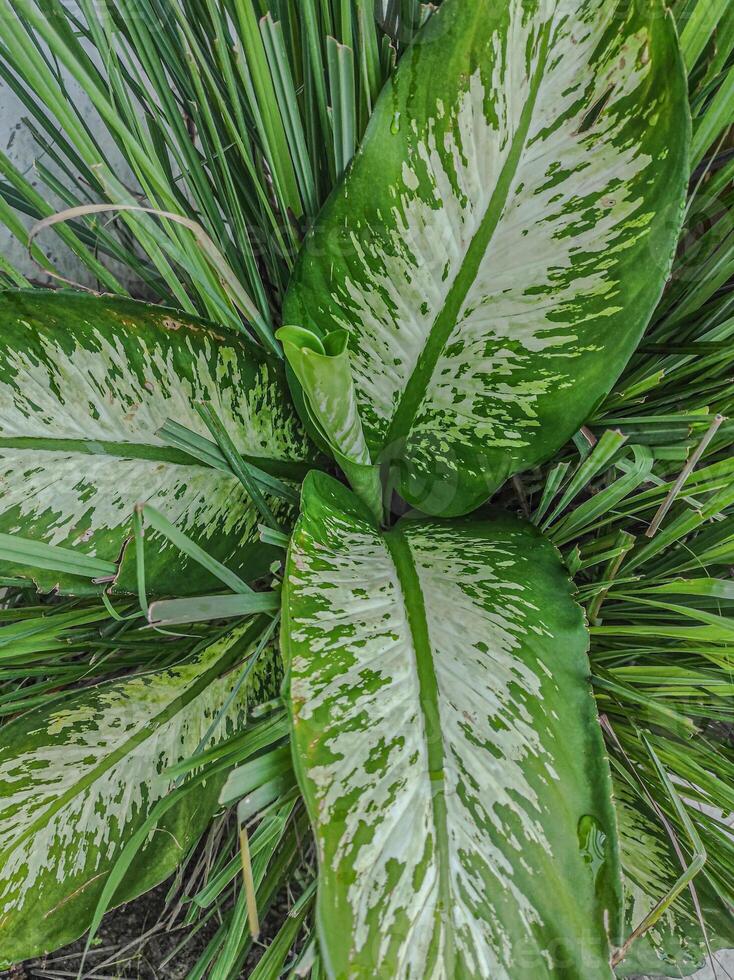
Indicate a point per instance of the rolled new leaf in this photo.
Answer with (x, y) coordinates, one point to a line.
(448, 747)
(503, 235)
(324, 372)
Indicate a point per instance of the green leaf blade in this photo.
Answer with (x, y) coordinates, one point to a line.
(86, 386)
(447, 745)
(503, 235)
(79, 779)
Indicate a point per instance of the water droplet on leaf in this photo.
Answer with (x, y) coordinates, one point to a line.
(593, 844)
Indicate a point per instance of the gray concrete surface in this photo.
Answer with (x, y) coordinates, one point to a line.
(18, 144)
(723, 968)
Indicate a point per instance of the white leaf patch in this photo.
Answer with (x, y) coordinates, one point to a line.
(76, 782)
(124, 387)
(503, 235)
(447, 746)
(85, 387)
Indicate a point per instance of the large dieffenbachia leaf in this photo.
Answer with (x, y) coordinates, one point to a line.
(503, 235)
(447, 745)
(675, 945)
(85, 386)
(77, 780)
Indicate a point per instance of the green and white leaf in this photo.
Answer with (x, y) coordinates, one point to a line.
(77, 780)
(85, 386)
(675, 946)
(448, 748)
(323, 370)
(503, 235)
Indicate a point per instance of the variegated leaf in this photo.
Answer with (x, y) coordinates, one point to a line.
(503, 235)
(447, 745)
(330, 405)
(79, 778)
(675, 945)
(85, 386)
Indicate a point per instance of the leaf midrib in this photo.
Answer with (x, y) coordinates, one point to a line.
(417, 386)
(286, 469)
(413, 601)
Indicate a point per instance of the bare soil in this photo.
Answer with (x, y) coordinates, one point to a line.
(118, 953)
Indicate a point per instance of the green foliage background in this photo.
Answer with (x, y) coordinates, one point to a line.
(243, 126)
